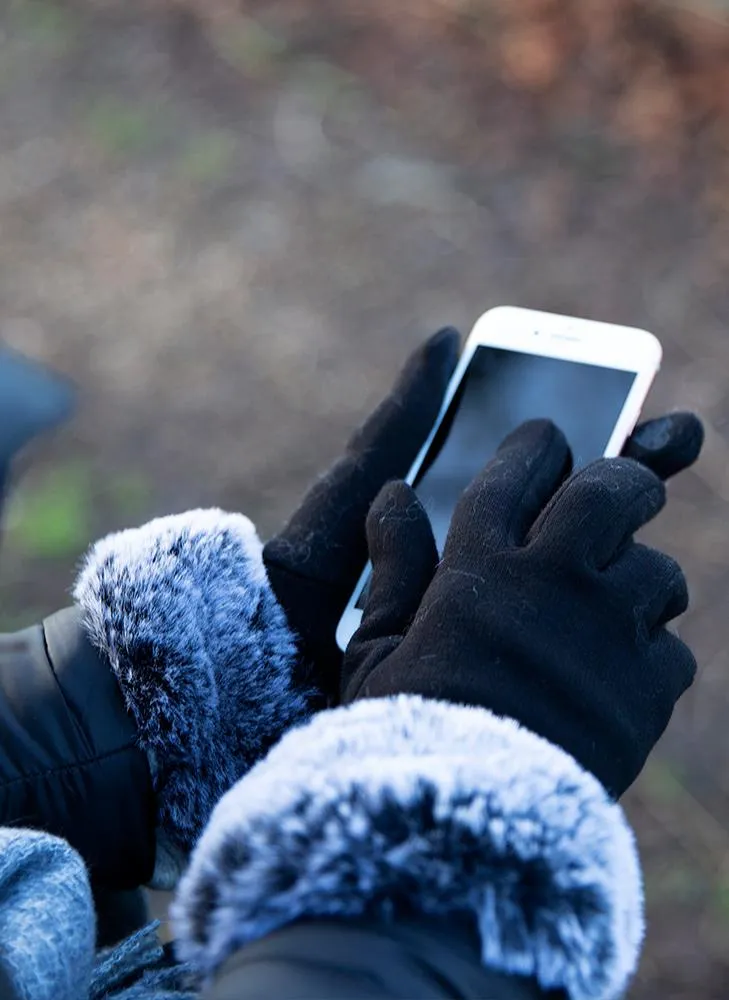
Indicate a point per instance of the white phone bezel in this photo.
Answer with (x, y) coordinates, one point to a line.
(547, 335)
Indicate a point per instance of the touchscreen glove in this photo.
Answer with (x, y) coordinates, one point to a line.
(543, 607)
(314, 562)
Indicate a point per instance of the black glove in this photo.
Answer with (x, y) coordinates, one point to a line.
(543, 607)
(314, 563)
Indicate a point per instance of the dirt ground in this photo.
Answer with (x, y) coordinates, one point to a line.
(230, 224)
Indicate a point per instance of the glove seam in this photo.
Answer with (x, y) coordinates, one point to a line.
(655, 492)
(517, 508)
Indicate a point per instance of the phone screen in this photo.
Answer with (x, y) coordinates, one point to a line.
(500, 390)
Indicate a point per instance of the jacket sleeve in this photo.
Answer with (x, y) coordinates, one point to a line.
(69, 760)
(326, 959)
(124, 719)
(391, 809)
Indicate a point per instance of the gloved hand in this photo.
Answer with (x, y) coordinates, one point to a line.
(126, 717)
(314, 562)
(543, 607)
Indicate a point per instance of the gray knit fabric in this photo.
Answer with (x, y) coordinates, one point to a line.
(46, 917)
(47, 933)
(140, 968)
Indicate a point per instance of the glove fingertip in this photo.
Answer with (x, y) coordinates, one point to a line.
(537, 437)
(395, 493)
(667, 445)
(397, 521)
(444, 345)
(434, 361)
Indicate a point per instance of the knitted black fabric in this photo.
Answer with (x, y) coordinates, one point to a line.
(314, 562)
(543, 607)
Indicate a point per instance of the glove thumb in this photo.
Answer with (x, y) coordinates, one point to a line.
(667, 445)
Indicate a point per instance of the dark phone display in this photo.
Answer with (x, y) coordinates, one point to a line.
(502, 389)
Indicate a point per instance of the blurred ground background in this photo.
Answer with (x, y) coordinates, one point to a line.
(230, 222)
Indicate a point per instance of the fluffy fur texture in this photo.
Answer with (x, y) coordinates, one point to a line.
(183, 611)
(404, 804)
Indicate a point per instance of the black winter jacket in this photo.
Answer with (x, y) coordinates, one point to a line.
(70, 763)
(337, 960)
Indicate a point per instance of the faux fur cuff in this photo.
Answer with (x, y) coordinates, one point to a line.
(183, 611)
(428, 806)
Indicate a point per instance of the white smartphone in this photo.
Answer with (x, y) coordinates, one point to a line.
(590, 378)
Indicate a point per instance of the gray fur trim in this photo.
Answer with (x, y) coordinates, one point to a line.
(434, 807)
(183, 610)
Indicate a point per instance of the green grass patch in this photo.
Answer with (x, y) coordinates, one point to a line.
(50, 518)
(324, 80)
(121, 129)
(130, 495)
(720, 899)
(44, 25)
(207, 158)
(662, 783)
(247, 46)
